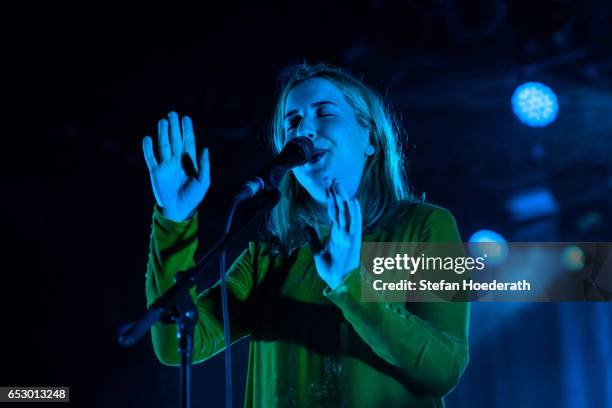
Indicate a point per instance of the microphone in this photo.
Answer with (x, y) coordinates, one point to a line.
(296, 152)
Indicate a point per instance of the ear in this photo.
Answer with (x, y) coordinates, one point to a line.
(370, 148)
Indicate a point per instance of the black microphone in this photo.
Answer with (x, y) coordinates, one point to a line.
(296, 152)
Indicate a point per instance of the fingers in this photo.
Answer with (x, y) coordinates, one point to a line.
(189, 140)
(147, 149)
(339, 209)
(165, 153)
(345, 214)
(172, 142)
(176, 140)
(204, 173)
(333, 209)
(356, 222)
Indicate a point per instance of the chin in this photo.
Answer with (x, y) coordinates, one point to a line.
(317, 193)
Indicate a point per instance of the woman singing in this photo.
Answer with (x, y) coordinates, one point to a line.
(313, 342)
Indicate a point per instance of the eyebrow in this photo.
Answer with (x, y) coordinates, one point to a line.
(314, 105)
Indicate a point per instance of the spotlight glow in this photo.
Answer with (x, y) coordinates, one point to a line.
(535, 104)
(573, 258)
(493, 247)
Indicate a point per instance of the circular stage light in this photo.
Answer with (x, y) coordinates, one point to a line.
(572, 258)
(535, 104)
(491, 246)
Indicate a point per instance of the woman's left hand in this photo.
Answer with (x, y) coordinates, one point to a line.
(341, 253)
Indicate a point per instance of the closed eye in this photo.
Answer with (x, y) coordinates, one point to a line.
(323, 112)
(294, 122)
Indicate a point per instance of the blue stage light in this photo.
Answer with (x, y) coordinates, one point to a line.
(493, 248)
(535, 104)
(572, 258)
(534, 203)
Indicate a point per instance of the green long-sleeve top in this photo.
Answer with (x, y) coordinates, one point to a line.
(311, 346)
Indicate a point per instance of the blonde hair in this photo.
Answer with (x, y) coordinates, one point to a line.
(383, 185)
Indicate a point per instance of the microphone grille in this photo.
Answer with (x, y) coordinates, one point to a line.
(305, 145)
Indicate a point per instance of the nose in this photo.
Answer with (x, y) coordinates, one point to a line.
(306, 128)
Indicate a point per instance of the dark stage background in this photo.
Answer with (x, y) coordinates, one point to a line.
(89, 82)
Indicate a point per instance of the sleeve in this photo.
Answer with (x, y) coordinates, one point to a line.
(429, 342)
(172, 249)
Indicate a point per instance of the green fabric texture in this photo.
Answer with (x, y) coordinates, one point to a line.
(315, 347)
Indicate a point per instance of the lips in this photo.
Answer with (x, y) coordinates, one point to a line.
(319, 154)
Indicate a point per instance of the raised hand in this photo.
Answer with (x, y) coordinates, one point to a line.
(341, 253)
(179, 181)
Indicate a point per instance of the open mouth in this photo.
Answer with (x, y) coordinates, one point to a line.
(317, 156)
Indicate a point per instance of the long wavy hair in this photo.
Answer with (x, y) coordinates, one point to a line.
(383, 186)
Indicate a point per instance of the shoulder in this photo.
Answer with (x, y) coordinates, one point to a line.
(420, 211)
(419, 221)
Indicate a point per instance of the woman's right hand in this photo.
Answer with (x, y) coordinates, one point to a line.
(179, 181)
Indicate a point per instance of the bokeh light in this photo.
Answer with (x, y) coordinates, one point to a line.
(494, 248)
(535, 104)
(572, 258)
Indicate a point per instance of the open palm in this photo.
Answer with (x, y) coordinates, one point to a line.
(341, 254)
(179, 181)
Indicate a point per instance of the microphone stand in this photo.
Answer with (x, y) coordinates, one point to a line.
(176, 305)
